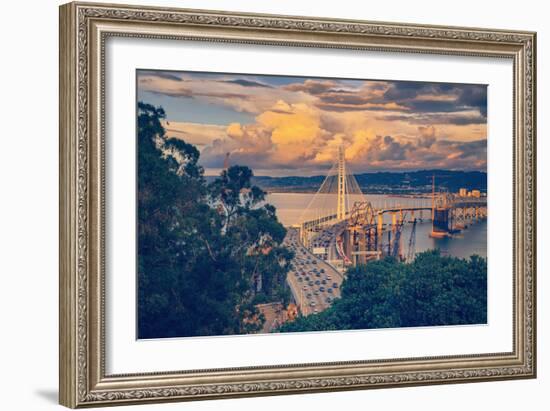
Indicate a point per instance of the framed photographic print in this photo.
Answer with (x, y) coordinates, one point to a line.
(259, 204)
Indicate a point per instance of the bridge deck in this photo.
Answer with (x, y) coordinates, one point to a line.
(481, 202)
(305, 263)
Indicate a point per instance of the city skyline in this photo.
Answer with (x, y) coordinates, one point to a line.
(283, 125)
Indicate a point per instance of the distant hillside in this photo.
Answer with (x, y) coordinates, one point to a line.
(385, 182)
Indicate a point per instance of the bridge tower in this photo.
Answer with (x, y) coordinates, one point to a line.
(342, 189)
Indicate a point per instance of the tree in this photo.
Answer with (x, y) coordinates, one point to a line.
(252, 234)
(432, 290)
(201, 269)
(444, 291)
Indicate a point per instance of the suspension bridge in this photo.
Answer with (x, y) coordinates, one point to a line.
(341, 228)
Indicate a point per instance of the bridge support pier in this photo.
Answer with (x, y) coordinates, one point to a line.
(380, 226)
(440, 222)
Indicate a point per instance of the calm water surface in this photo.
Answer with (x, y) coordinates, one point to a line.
(473, 240)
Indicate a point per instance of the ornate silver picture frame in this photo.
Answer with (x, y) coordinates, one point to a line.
(84, 30)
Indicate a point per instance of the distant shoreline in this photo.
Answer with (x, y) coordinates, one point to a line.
(412, 183)
(388, 194)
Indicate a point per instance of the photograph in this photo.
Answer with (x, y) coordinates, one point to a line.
(266, 203)
(278, 204)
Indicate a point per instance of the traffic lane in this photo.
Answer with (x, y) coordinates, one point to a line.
(321, 298)
(320, 305)
(307, 289)
(329, 272)
(298, 292)
(301, 287)
(323, 295)
(303, 262)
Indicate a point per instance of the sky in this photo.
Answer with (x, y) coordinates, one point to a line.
(284, 125)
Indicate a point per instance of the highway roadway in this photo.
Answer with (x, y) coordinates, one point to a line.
(313, 282)
(326, 239)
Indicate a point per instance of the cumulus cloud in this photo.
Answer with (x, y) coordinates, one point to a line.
(400, 152)
(295, 137)
(426, 136)
(287, 135)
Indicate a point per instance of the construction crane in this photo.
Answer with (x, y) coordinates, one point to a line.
(396, 241)
(412, 243)
(394, 252)
(226, 161)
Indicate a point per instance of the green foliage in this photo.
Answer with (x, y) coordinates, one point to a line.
(432, 290)
(206, 253)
